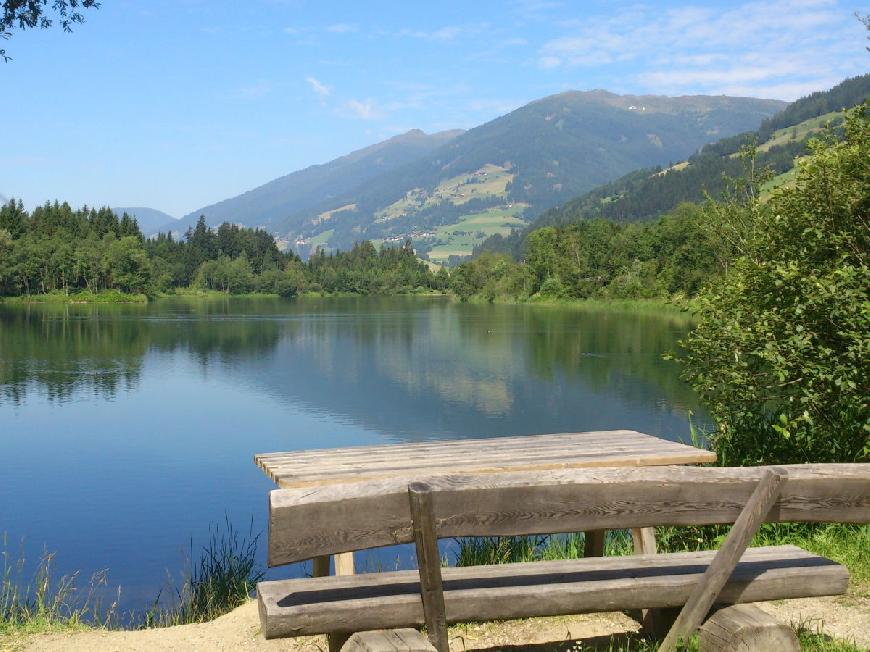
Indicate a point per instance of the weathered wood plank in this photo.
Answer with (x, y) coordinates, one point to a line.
(446, 445)
(392, 600)
(429, 564)
(746, 628)
(539, 452)
(706, 591)
(389, 640)
(304, 523)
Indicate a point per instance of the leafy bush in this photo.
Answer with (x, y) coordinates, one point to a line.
(780, 351)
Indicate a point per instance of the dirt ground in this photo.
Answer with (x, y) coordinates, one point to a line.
(846, 617)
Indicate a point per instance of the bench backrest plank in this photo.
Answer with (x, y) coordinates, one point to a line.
(308, 522)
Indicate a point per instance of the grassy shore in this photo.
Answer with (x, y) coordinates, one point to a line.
(105, 296)
(657, 305)
(221, 577)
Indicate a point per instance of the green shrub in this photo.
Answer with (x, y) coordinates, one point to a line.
(780, 351)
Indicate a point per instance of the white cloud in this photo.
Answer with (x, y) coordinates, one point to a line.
(342, 28)
(446, 33)
(365, 109)
(323, 91)
(774, 48)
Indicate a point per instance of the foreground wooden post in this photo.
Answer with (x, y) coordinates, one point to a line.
(344, 563)
(593, 543)
(320, 566)
(716, 576)
(746, 628)
(429, 561)
(343, 566)
(656, 622)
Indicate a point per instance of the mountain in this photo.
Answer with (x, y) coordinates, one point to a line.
(449, 191)
(652, 191)
(272, 205)
(150, 219)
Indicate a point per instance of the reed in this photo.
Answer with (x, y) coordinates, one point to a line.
(46, 603)
(223, 578)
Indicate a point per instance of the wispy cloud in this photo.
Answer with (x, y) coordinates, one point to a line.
(254, 90)
(366, 109)
(323, 91)
(342, 28)
(779, 48)
(446, 33)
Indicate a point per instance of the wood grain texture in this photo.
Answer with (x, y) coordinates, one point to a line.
(308, 522)
(475, 456)
(483, 593)
(429, 564)
(706, 591)
(746, 628)
(389, 640)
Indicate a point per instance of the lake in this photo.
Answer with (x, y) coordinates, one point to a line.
(128, 430)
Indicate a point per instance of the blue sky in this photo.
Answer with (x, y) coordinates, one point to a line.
(175, 104)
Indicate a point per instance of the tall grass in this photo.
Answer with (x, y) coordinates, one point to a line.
(222, 579)
(46, 603)
(217, 580)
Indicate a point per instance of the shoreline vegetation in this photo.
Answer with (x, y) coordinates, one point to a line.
(653, 305)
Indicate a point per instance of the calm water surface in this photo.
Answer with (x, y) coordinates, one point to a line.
(125, 431)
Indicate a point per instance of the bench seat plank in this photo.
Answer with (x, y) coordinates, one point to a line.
(482, 593)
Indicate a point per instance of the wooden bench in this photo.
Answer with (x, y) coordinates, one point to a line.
(307, 522)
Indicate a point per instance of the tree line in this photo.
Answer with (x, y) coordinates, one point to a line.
(676, 254)
(55, 248)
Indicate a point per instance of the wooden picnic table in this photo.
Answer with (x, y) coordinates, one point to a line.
(419, 460)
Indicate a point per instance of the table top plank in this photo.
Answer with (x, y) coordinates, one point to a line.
(465, 456)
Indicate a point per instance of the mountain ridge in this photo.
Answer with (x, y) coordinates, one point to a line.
(508, 169)
(647, 193)
(402, 146)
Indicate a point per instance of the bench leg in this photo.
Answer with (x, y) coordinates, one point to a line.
(655, 622)
(429, 563)
(344, 563)
(343, 566)
(746, 628)
(705, 593)
(593, 545)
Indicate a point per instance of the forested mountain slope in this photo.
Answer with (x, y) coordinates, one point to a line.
(274, 205)
(495, 175)
(650, 192)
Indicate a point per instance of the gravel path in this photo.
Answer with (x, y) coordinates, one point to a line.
(846, 617)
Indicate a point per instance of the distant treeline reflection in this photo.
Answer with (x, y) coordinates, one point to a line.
(473, 354)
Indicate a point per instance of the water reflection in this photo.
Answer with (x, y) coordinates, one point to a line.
(380, 363)
(145, 418)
